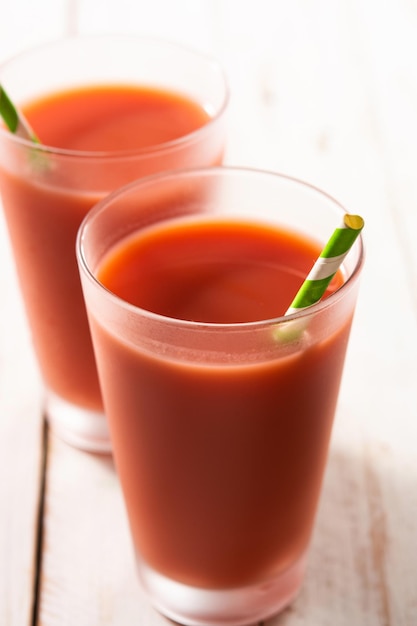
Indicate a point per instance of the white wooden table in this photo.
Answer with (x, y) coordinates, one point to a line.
(325, 90)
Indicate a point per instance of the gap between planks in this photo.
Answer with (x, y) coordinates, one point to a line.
(37, 558)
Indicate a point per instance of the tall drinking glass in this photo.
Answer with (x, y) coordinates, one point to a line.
(220, 407)
(47, 190)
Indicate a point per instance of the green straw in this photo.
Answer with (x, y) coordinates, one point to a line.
(14, 120)
(329, 261)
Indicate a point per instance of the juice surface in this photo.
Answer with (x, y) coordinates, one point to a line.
(44, 207)
(221, 464)
(112, 118)
(211, 271)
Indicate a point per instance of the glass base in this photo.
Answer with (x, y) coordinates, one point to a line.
(227, 607)
(79, 427)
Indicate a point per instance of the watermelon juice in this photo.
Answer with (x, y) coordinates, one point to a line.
(220, 409)
(99, 132)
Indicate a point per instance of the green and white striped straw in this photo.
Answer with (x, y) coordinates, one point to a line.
(326, 266)
(14, 120)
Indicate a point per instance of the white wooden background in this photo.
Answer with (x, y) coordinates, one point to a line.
(325, 90)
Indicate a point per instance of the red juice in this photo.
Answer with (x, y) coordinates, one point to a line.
(45, 201)
(220, 458)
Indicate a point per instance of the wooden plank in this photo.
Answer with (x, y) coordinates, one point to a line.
(21, 422)
(391, 470)
(20, 451)
(395, 88)
(88, 571)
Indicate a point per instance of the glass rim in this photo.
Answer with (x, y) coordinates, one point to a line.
(144, 152)
(211, 326)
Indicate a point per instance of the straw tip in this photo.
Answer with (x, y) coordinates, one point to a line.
(355, 222)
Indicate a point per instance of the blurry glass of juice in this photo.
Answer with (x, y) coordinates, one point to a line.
(220, 408)
(107, 110)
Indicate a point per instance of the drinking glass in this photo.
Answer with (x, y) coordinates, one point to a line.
(46, 193)
(220, 430)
